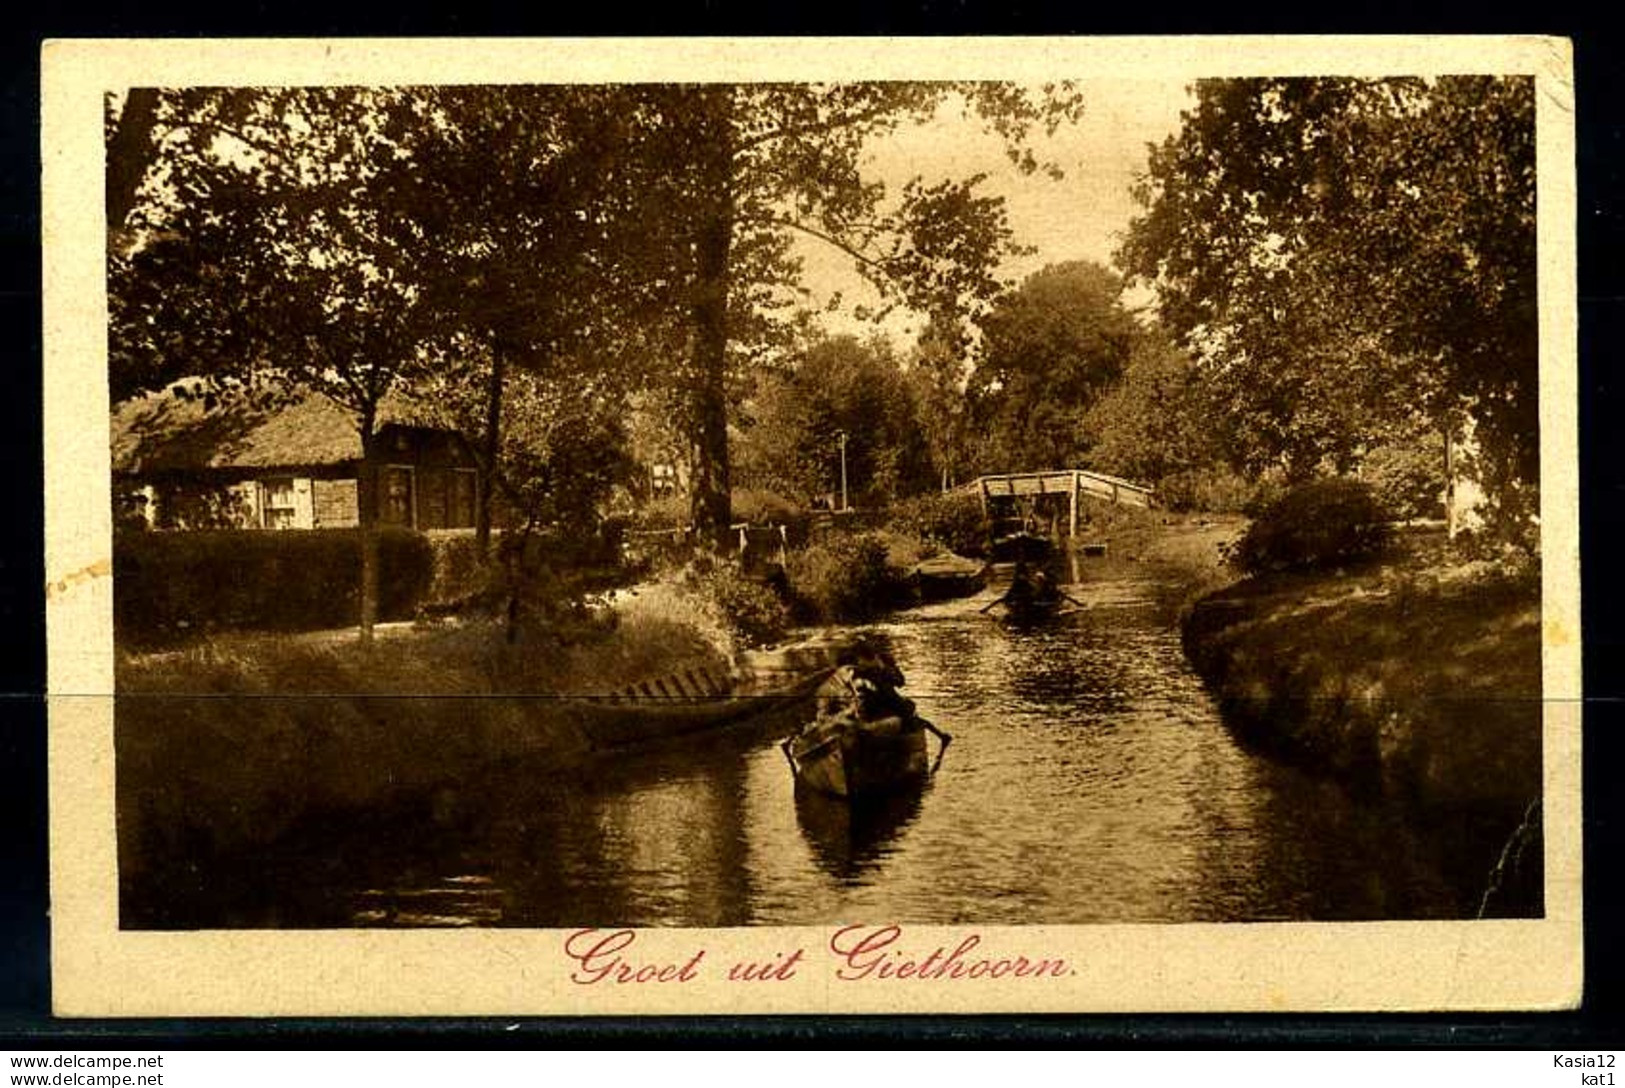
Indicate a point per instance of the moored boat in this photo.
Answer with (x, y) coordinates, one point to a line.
(1017, 540)
(946, 576)
(764, 687)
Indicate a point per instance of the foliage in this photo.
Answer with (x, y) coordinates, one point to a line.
(545, 296)
(170, 586)
(1315, 526)
(564, 451)
(756, 164)
(759, 506)
(665, 512)
(1338, 253)
(463, 574)
(271, 244)
(936, 375)
(1155, 424)
(1048, 352)
(459, 572)
(1407, 475)
(184, 504)
(750, 612)
(840, 385)
(843, 577)
(1213, 490)
(952, 521)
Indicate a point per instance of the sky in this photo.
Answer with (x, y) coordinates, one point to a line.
(1081, 216)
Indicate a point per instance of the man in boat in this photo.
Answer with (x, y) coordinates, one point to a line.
(866, 736)
(864, 686)
(1030, 587)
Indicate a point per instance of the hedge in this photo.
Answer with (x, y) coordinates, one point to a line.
(844, 578)
(953, 521)
(170, 585)
(1315, 526)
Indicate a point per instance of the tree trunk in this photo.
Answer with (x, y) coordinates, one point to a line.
(367, 520)
(130, 152)
(1451, 527)
(492, 451)
(709, 484)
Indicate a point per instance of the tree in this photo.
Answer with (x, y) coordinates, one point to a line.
(761, 161)
(270, 251)
(1048, 351)
(534, 203)
(1155, 421)
(841, 385)
(1336, 253)
(355, 242)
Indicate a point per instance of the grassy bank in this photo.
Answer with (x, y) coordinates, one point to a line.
(1416, 678)
(1187, 550)
(228, 745)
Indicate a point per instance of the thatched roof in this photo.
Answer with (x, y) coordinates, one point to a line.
(165, 432)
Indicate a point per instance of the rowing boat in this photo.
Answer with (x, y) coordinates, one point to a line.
(844, 757)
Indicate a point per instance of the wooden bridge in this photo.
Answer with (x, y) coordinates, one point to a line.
(1072, 483)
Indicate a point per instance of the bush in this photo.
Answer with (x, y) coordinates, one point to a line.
(750, 613)
(844, 578)
(459, 571)
(665, 512)
(1315, 526)
(762, 507)
(172, 585)
(1408, 480)
(1215, 490)
(953, 521)
(1268, 489)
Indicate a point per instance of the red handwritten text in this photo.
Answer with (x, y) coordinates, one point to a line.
(778, 969)
(598, 957)
(872, 952)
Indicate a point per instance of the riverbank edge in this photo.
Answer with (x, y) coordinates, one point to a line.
(1396, 693)
(236, 766)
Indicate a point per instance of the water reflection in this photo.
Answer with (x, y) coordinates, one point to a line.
(852, 838)
(1090, 780)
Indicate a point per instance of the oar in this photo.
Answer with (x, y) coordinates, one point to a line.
(990, 604)
(945, 739)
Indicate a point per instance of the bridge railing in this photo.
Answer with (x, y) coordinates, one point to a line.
(1070, 483)
(1062, 482)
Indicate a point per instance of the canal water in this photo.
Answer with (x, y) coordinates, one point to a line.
(1090, 779)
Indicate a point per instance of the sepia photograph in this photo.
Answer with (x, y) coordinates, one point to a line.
(873, 506)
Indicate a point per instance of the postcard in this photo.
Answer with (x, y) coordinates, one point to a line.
(620, 527)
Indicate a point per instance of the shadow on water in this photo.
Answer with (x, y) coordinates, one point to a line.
(852, 838)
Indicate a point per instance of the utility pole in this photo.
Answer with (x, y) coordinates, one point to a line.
(841, 437)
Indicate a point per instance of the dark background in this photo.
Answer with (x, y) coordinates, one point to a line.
(25, 1020)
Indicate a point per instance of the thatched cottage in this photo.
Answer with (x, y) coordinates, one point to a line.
(180, 465)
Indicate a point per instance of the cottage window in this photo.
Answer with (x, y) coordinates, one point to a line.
(460, 514)
(663, 480)
(277, 509)
(395, 505)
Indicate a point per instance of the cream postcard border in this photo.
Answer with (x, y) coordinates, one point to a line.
(100, 971)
